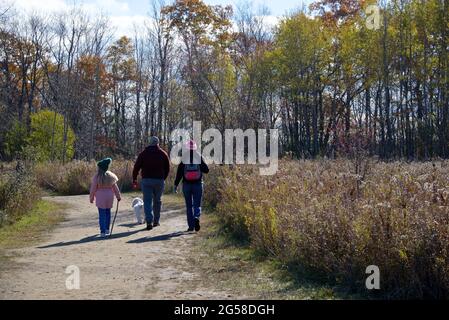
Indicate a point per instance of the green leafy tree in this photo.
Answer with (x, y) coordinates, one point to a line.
(47, 136)
(15, 140)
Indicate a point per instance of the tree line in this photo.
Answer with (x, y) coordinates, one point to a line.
(327, 80)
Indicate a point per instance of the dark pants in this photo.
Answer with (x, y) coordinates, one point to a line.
(193, 194)
(152, 203)
(104, 219)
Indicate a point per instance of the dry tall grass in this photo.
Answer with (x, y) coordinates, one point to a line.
(328, 217)
(18, 192)
(74, 178)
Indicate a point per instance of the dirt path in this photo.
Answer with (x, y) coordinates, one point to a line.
(133, 264)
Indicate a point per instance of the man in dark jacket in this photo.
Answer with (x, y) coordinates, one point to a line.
(191, 174)
(154, 165)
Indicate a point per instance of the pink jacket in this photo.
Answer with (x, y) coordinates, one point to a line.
(103, 195)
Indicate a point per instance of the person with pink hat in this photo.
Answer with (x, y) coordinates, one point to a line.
(190, 171)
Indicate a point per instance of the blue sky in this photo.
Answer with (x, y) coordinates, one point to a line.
(124, 14)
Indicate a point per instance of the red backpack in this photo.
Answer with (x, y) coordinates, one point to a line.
(192, 172)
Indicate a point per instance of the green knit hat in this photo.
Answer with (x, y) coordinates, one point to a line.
(104, 164)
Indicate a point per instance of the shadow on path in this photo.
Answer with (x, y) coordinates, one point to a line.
(131, 225)
(163, 237)
(90, 239)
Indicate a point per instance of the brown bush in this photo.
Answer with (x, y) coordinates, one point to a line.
(323, 216)
(18, 192)
(213, 181)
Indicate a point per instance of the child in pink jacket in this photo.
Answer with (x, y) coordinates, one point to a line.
(102, 190)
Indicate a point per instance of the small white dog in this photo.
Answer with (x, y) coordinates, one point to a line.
(137, 205)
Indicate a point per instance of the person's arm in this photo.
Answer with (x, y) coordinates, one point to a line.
(137, 167)
(179, 174)
(116, 190)
(93, 189)
(204, 167)
(166, 165)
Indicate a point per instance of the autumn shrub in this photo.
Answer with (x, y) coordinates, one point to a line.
(329, 218)
(213, 181)
(18, 192)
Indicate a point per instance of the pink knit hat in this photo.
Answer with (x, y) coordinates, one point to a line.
(191, 145)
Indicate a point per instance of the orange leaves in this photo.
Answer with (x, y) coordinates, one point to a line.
(196, 21)
(121, 58)
(333, 11)
(93, 69)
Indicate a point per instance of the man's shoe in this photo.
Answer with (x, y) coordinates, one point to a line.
(156, 224)
(190, 230)
(197, 225)
(149, 226)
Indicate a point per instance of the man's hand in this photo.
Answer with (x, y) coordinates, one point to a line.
(135, 185)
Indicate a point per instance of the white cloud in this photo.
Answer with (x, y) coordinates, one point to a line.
(48, 6)
(111, 7)
(118, 11)
(124, 25)
(270, 21)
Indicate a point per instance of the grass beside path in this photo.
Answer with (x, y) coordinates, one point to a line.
(237, 267)
(30, 228)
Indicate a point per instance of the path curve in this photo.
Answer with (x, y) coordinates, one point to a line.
(133, 264)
